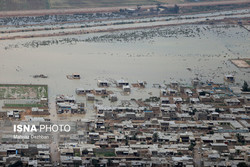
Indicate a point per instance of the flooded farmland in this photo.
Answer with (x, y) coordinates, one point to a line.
(110, 86)
(156, 55)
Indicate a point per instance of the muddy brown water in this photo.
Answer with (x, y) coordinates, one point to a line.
(156, 59)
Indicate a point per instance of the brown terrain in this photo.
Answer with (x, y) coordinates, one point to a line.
(110, 9)
(241, 63)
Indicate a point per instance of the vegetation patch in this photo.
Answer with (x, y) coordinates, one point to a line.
(104, 152)
(248, 62)
(23, 105)
(57, 4)
(14, 91)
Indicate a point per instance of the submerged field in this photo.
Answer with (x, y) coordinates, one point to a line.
(157, 55)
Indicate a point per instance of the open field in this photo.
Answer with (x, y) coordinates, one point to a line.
(12, 91)
(14, 5)
(104, 152)
(183, 1)
(22, 105)
(8, 5)
(59, 4)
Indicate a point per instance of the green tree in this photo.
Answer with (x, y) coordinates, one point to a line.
(191, 146)
(95, 162)
(240, 138)
(126, 140)
(85, 152)
(245, 87)
(211, 132)
(155, 137)
(134, 136)
(109, 162)
(193, 111)
(242, 164)
(217, 110)
(17, 164)
(180, 153)
(176, 9)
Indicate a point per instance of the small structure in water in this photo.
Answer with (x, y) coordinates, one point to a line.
(126, 88)
(229, 78)
(40, 76)
(90, 97)
(80, 91)
(100, 91)
(101, 83)
(74, 76)
(195, 82)
(83, 91)
(113, 97)
(140, 84)
(121, 83)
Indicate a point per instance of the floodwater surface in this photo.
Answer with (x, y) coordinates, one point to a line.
(158, 55)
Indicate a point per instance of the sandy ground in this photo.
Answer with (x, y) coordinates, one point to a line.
(241, 63)
(108, 9)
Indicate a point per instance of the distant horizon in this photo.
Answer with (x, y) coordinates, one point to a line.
(24, 5)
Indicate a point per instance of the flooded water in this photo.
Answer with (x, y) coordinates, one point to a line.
(154, 55)
(117, 24)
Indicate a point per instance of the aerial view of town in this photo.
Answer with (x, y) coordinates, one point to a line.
(124, 83)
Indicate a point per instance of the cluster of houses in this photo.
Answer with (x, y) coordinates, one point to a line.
(158, 9)
(203, 124)
(11, 114)
(25, 154)
(22, 150)
(198, 125)
(68, 104)
(13, 109)
(124, 85)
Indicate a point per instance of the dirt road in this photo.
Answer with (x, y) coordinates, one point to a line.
(109, 9)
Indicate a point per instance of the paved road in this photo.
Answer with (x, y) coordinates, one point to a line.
(197, 154)
(54, 153)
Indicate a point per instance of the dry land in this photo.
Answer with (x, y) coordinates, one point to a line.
(96, 5)
(9, 5)
(241, 63)
(58, 4)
